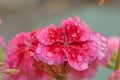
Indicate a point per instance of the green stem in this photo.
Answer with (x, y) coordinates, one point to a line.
(117, 64)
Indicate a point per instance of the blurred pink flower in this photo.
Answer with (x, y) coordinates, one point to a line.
(20, 55)
(2, 42)
(113, 43)
(115, 75)
(74, 42)
(0, 21)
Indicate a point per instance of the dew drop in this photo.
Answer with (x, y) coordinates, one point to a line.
(82, 38)
(73, 55)
(101, 55)
(50, 62)
(79, 58)
(74, 35)
(57, 49)
(104, 45)
(75, 64)
(85, 46)
(49, 54)
(84, 66)
(103, 38)
(38, 50)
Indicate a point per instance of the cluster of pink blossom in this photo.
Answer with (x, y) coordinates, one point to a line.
(71, 50)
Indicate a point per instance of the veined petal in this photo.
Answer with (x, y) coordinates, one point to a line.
(76, 57)
(51, 54)
(50, 35)
(89, 73)
(75, 30)
(102, 43)
(18, 54)
(20, 41)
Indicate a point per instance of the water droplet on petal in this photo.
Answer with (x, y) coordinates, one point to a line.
(49, 54)
(104, 45)
(74, 35)
(79, 58)
(50, 62)
(85, 46)
(103, 38)
(75, 64)
(82, 38)
(57, 49)
(38, 50)
(73, 55)
(84, 66)
(101, 55)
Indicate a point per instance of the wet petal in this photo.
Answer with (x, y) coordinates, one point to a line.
(77, 58)
(103, 53)
(89, 73)
(50, 35)
(52, 54)
(75, 30)
(21, 40)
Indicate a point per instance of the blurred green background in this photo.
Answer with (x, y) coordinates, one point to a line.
(27, 16)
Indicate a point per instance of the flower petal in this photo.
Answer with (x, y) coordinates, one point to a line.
(50, 35)
(52, 54)
(76, 57)
(89, 73)
(103, 53)
(75, 30)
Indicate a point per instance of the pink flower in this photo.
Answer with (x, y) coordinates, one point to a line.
(2, 42)
(20, 55)
(74, 42)
(113, 43)
(115, 75)
(0, 21)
